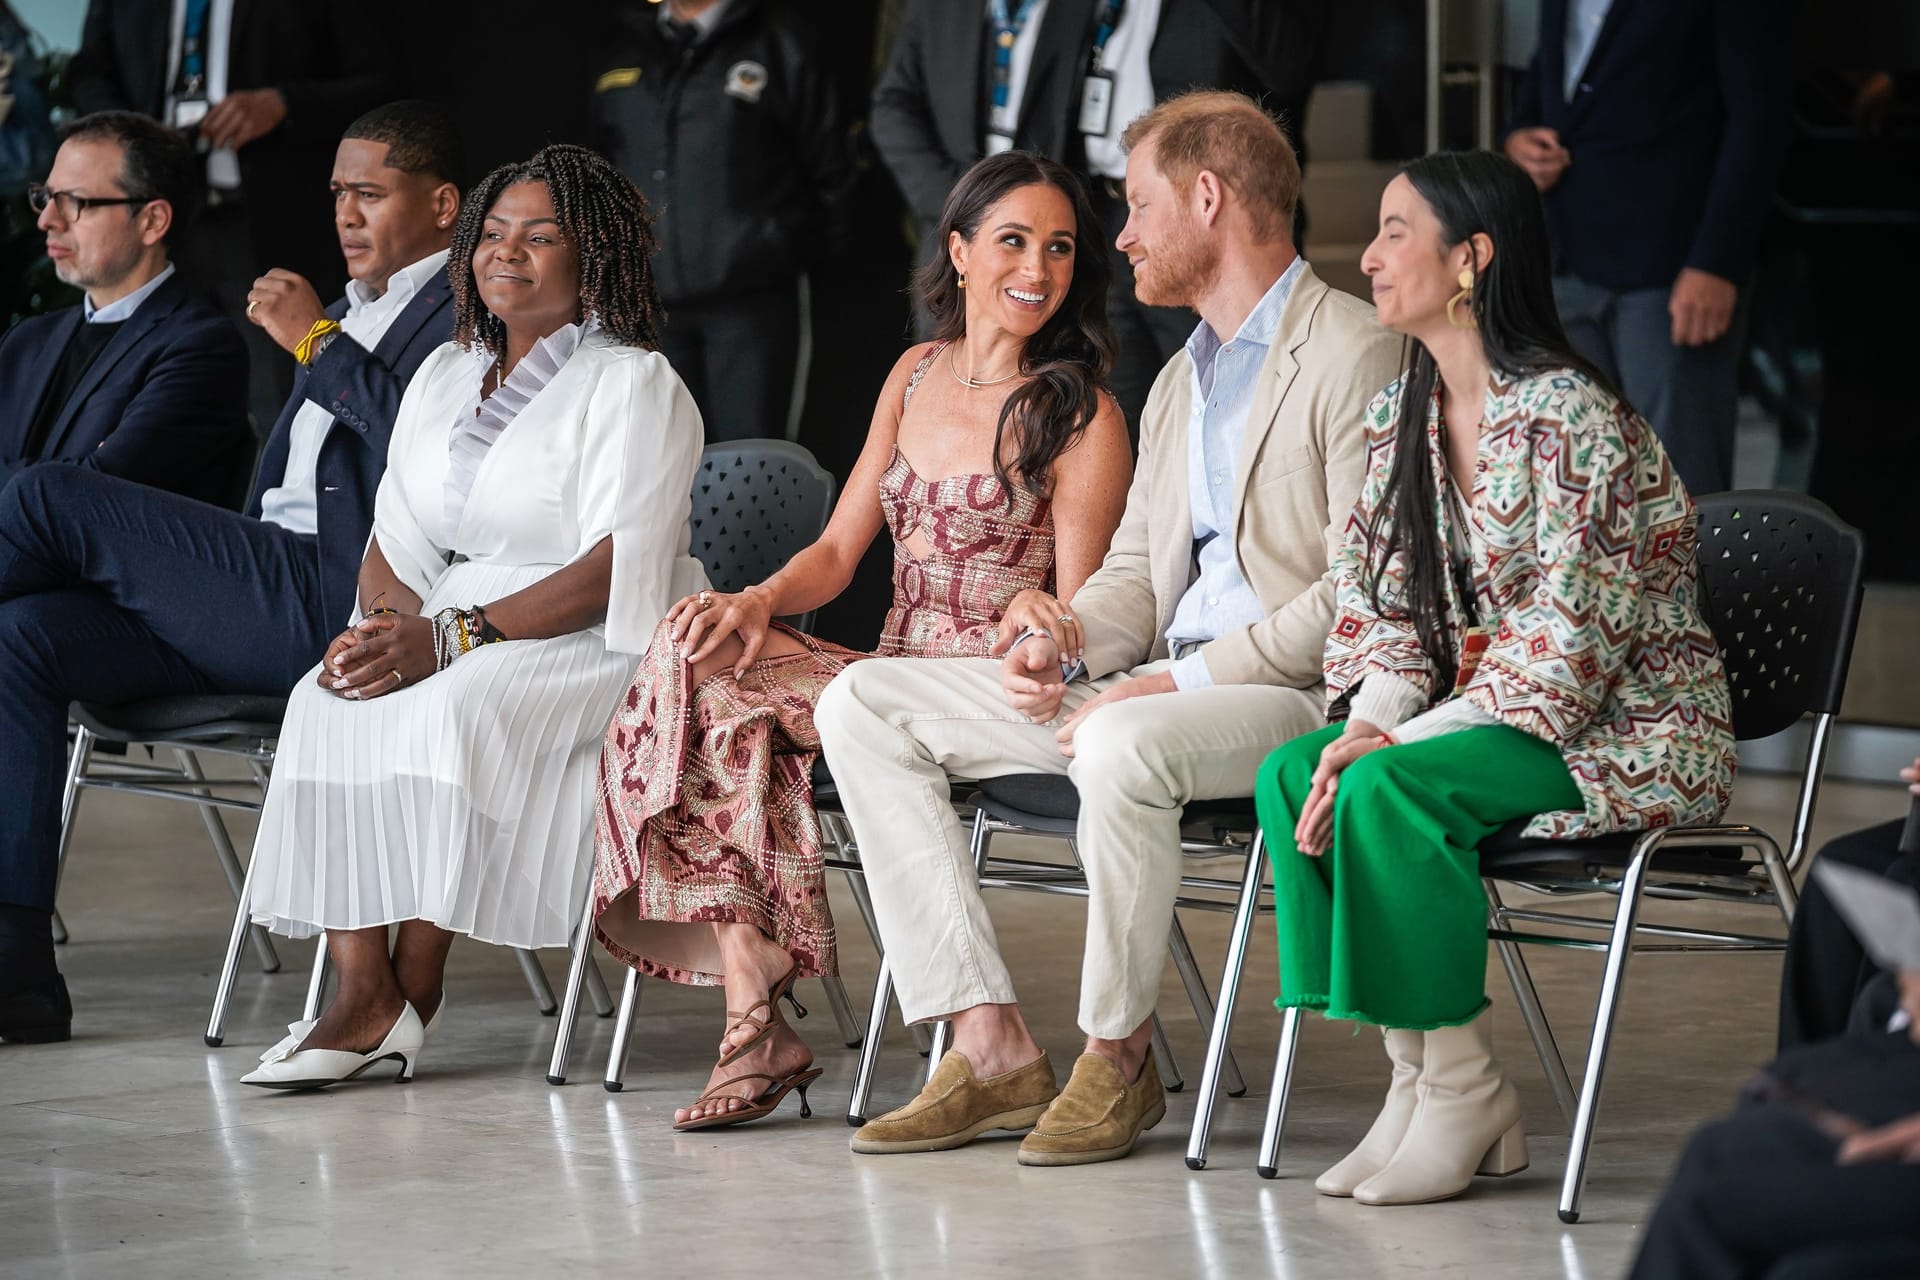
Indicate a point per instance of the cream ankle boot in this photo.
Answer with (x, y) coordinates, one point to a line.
(1467, 1121)
(1404, 1049)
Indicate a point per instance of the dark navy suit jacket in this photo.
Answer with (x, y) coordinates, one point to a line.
(164, 403)
(362, 390)
(1678, 130)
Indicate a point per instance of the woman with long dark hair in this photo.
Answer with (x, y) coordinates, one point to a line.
(1517, 635)
(436, 771)
(997, 462)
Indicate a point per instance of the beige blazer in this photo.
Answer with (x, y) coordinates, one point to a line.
(1296, 481)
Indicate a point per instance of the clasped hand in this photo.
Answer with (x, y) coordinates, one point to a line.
(1035, 610)
(1030, 677)
(1313, 833)
(702, 622)
(377, 655)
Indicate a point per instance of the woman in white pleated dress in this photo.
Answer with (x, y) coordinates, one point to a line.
(531, 530)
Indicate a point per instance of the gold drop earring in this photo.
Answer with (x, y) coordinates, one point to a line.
(963, 279)
(1465, 295)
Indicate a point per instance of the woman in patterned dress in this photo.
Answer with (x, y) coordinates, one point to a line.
(997, 463)
(1517, 634)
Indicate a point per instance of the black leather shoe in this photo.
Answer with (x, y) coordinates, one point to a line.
(42, 1014)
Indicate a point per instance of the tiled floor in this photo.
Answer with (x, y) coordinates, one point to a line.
(132, 1151)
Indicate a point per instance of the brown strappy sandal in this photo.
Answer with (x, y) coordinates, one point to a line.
(762, 1027)
(758, 1108)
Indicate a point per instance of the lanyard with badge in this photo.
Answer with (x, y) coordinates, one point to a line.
(1096, 97)
(190, 88)
(1006, 31)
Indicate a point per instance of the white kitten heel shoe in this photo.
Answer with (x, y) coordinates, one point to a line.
(298, 1031)
(318, 1068)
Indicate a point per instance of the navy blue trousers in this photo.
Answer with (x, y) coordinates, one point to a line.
(111, 591)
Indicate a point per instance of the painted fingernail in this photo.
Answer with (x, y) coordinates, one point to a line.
(341, 683)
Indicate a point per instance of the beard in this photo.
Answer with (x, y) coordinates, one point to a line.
(103, 271)
(1182, 270)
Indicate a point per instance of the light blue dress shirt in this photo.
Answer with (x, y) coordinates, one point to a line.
(1584, 20)
(123, 308)
(1221, 393)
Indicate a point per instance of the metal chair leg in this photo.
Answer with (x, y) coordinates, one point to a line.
(537, 983)
(223, 850)
(942, 1038)
(230, 964)
(616, 1077)
(317, 979)
(863, 1074)
(598, 993)
(1201, 998)
(1619, 949)
(1268, 1165)
(857, 885)
(570, 1004)
(843, 1015)
(1243, 914)
(1552, 1062)
(77, 762)
(1170, 1078)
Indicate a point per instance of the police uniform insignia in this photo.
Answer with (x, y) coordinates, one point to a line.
(618, 78)
(746, 81)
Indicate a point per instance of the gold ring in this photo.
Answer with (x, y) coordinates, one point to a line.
(251, 304)
(1066, 617)
(706, 599)
(399, 679)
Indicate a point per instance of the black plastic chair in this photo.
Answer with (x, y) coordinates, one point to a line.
(1044, 804)
(756, 503)
(1780, 579)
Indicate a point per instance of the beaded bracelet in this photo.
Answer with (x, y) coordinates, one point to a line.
(303, 350)
(459, 631)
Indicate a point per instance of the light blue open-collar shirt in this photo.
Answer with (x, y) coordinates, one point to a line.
(122, 309)
(1221, 395)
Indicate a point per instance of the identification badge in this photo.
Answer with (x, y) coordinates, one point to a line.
(188, 112)
(1096, 104)
(998, 142)
(1473, 645)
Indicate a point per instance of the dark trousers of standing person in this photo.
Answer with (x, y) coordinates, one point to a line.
(1691, 395)
(1147, 337)
(112, 591)
(737, 357)
(216, 257)
(1826, 968)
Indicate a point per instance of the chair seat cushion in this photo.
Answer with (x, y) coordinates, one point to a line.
(1050, 802)
(185, 717)
(1509, 855)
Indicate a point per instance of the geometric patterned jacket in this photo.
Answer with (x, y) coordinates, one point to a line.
(1583, 563)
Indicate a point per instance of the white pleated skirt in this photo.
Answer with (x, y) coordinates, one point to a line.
(465, 800)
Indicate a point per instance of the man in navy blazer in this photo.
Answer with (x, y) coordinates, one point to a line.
(141, 380)
(111, 591)
(1657, 130)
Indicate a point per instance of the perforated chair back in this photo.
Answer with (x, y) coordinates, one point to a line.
(756, 503)
(1780, 584)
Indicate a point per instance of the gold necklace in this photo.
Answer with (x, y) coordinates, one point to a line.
(973, 384)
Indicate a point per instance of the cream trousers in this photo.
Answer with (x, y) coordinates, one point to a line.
(895, 729)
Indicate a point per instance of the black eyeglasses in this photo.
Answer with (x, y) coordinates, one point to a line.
(71, 205)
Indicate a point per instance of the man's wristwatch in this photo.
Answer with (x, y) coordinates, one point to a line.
(321, 344)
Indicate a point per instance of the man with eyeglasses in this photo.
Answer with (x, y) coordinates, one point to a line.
(143, 379)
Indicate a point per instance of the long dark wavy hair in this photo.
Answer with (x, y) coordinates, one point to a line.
(601, 214)
(1471, 193)
(1067, 361)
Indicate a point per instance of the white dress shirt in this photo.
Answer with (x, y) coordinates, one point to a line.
(292, 504)
(1126, 58)
(223, 167)
(1584, 20)
(123, 308)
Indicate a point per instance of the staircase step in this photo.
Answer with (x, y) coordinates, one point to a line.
(1343, 199)
(1340, 121)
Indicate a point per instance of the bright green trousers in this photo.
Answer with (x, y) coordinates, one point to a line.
(1389, 926)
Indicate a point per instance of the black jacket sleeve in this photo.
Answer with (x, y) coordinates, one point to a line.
(903, 127)
(1754, 69)
(359, 390)
(319, 108)
(1279, 39)
(93, 75)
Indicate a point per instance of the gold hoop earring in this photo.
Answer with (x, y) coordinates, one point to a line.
(1465, 295)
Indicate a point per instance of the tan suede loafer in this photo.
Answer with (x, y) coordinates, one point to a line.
(956, 1107)
(1098, 1116)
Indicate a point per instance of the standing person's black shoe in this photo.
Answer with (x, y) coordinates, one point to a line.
(39, 1013)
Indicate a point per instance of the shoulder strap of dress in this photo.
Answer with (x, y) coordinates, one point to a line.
(920, 371)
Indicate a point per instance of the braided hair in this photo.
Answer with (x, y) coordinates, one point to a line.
(603, 217)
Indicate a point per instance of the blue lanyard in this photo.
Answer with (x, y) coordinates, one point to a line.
(1005, 31)
(1103, 24)
(193, 42)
